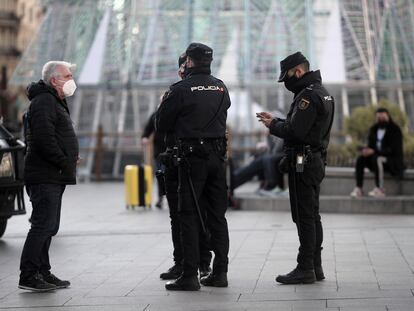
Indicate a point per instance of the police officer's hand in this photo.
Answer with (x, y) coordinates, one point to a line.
(366, 152)
(265, 117)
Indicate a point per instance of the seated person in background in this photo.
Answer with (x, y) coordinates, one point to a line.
(383, 153)
(265, 166)
(159, 146)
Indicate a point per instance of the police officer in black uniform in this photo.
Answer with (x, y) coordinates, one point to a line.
(195, 112)
(306, 133)
(171, 184)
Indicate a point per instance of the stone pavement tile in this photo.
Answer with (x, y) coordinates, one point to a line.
(376, 308)
(327, 284)
(324, 293)
(370, 303)
(251, 306)
(363, 277)
(356, 284)
(200, 297)
(29, 299)
(85, 308)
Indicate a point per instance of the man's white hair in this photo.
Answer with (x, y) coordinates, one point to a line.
(49, 69)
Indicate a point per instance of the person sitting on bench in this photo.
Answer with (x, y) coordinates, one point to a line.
(383, 153)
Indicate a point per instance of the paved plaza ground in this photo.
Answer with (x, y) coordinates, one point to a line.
(114, 256)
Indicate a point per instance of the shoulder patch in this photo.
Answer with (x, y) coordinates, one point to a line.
(303, 104)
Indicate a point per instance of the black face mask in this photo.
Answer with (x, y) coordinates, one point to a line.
(185, 72)
(290, 83)
(382, 124)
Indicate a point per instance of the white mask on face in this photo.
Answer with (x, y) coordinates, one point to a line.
(69, 88)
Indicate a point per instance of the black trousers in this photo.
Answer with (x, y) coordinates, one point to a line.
(304, 191)
(264, 166)
(171, 184)
(208, 175)
(371, 163)
(46, 202)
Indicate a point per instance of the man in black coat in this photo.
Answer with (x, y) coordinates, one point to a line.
(50, 165)
(383, 153)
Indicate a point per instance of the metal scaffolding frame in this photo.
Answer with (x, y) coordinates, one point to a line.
(127, 51)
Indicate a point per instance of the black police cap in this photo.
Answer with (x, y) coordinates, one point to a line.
(199, 51)
(290, 62)
(182, 59)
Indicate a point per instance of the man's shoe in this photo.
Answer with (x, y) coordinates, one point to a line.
(297, 276)
(189, 283)
(204, 271)
(53, 279)
(215, 280)
(36, 284)
(173, 273)
(319, 274)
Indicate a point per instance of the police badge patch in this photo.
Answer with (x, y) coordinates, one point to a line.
(304, 103)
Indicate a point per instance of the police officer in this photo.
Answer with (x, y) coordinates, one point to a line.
(306, 132)
(195, 112)
(171, 184)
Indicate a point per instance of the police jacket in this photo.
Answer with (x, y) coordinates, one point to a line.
(391, 147)
(159, 143)
(52, 146)
(190, 105)
(309, 119)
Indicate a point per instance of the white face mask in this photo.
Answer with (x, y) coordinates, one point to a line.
(69, 88)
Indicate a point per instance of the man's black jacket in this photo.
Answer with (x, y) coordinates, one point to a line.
(159, 137)
(392, 147)
(191, 103)
(52, 146)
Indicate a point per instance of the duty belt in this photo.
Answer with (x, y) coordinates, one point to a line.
(201, 141)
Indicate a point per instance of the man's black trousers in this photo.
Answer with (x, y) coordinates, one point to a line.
(46, 202)
(208, 175)
(304, 191)
(372, 164)
(171, 184)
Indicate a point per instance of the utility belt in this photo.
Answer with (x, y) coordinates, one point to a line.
(298, 156)
(198, 147)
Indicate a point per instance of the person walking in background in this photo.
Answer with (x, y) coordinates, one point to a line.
(384, 153)
(50, 164)
(159, 146)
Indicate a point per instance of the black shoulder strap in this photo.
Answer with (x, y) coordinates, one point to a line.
(209, 123)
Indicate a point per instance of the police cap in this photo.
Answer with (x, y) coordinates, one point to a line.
(182, 59)
(199, 51)
(290, 62)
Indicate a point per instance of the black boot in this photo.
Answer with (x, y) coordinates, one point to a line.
(189, 283)
(317, 261)
(215, 280)
(204, 270)
(297, 276)
(319, 273)
(173, 273)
